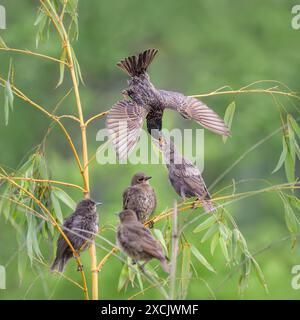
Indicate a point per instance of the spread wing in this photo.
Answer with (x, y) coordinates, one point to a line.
(124, 123)
(194, 109)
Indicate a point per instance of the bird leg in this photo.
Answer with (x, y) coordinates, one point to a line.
(79, 267)
(133, 262)
(150, 224)
(142, 267)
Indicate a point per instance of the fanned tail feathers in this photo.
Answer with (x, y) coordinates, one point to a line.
(137, 65)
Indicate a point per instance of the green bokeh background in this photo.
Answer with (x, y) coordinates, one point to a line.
(203, 45)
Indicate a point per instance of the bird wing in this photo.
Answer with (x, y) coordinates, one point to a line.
(192, 178)
(137, 65)
(192, 108)
(62, 245)
(124, 123)
(144, 241)
(126, 196)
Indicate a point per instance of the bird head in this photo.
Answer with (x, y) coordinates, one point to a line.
(128, 216)
(140, 178)
(88, 205)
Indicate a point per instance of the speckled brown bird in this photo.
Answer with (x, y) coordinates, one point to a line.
(125, 119)
(140, 197)
(137, 242)
(184, 176)
(80, 228)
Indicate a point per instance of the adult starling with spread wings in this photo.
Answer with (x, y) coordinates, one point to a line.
(126, 117)
(184, 176)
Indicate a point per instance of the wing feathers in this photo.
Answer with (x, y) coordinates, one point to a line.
(124, 123)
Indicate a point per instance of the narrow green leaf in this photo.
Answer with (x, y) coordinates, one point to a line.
(123, 279)
(214, 228)
(158, 234)
(234, 244)
(202, 259)
(139, 277)
(29, 241)
(289, 165)
(62, 67)
(294, 125)
(57, 208)
(229, 113)
(131, 271)
(259, 274)
(65, 198)
(185, 269)
(290, 218)
(205, 224)
(282, 156)
(224, 249)
(214, 243)
(243, 284)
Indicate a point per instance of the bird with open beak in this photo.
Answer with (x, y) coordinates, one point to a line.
(145, 102)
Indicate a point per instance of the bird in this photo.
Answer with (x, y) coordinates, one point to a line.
(184, 176)
(143, 101)
(140, 197)
(80, 228)
(137, 242)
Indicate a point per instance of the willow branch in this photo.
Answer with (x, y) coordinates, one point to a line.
(67, 184)
(97, 116)
(36, 54)
(240, 91)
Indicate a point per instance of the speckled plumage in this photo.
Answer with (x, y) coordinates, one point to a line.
(137, 242)
(140, 197)
(125, 119)
(184, 176)
(79, 227)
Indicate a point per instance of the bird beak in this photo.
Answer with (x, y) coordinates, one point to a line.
(147, 178)
(125, 93)
(98, 203)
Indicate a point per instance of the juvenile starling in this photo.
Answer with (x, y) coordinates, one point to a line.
(125, 119)
(140, 197)
(80, 228)
(137, 242)
(184, 176)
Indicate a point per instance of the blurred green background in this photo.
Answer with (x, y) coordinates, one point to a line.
(203, 45)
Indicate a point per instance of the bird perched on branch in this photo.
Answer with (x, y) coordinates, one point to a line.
(184, 176)
(125, 119)
(80, 228)
(140, 197)
(137, 242)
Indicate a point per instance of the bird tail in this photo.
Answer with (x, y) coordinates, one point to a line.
(165, 265)
(136, 65)
(59, 264)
